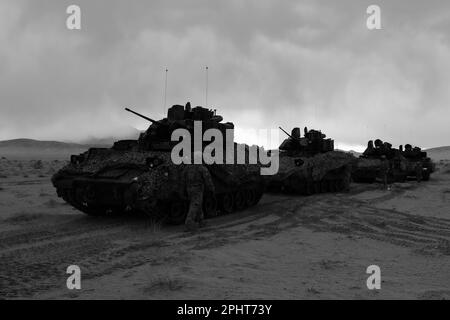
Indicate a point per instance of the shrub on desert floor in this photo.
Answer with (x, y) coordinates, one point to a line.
(38, 164)
(164, 283)
(446, 169)
(23, 217)
(42, 193)
(51, 203)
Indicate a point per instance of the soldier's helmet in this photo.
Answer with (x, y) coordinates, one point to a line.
(295, 133)
(408, 147)
(378, 143)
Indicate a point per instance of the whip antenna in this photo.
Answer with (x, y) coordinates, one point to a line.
(165, 91)
(206, 95)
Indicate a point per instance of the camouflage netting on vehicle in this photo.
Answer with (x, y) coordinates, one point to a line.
(314, 168)
(138, 175)
(366, 163)
(164, 180)
(97, 159)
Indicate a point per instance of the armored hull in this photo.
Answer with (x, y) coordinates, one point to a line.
(133, 176)
(324, 172)
(103, 181)
(366, 170)
(310, 165)
(403, 165)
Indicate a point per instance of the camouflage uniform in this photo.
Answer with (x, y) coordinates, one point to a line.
(419, 171)
(384, 171)
(198, 180)
(347, 177)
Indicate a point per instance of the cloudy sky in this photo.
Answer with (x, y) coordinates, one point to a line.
(271, 63)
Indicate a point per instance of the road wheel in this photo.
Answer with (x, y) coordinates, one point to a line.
(324, 186)
(340, 184)
(177, 212)
(316, 186)
(336, 186)
(258, 195)
(209, 206)
(331, 186)
(309, 188)
(301, 188)
(239, 200)
(250, 197)
(227, 203)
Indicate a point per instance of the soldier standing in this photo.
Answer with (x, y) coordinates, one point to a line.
(347, 177)
(419, 171)
(384, 172)
(198, 182)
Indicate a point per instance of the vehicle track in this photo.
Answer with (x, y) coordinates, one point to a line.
(34, 259)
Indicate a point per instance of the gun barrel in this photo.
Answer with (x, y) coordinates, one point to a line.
(142, 116)
(285, 132)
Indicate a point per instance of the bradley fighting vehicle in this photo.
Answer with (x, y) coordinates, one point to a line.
(139, 175)
(310, 165)
(402, 164)
(416, 156)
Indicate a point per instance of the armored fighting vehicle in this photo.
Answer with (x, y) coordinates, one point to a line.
(310, 165)
(418, 158)
(140, 176)
(402, 164)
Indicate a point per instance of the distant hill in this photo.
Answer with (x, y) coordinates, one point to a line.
(124, 134)
(439, 153)
(352, 152)
(30, 143)
(36, 149)
(355, 153)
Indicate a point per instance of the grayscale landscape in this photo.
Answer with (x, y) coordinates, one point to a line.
(286, 247)
(344, 106)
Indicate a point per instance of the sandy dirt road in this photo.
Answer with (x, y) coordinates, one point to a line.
(315, 247)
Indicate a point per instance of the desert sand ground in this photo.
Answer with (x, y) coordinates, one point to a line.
(287, 247)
